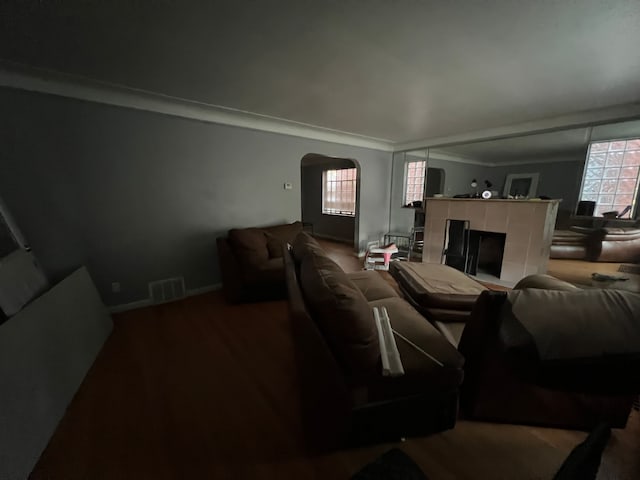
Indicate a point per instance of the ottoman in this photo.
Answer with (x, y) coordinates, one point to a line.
(439, 292)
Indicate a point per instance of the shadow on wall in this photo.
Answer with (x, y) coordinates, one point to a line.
(342, 194)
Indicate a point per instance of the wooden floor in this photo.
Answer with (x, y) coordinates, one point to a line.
(579, 273)
(202, 389)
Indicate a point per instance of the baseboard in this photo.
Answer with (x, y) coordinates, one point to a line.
(123, 307)
(207, 288)
(147, 301)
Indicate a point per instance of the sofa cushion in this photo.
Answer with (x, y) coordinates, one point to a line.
(577, 324)
(304, 244)
(279, 235)
(249, 245)
(432, 285)
(342, 314)
(271, 271)
(422, 374)
(561, 336)
(372, 285)
(546, 282)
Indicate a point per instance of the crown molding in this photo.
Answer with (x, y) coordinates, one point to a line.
(70, 86)
(587, 118)
(18, 76)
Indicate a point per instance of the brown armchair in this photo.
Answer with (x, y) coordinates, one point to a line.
(251, 262)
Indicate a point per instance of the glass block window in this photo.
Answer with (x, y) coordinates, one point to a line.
(339, 192)
(414, 181)
(611, 175)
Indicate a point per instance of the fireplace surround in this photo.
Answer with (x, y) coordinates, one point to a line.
(527, 226)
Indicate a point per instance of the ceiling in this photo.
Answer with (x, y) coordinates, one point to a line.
(562, 145)
(556, 146)
(393, 70)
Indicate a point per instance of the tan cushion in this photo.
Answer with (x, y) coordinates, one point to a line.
(452, 331)
(372, 285)
(433, 285)
(546, 282)
(279, 235)
(579, 324)
(249, 245)
(342, 314)
(304, 244)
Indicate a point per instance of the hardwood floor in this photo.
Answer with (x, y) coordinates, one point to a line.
(579, 273)
(202, 389)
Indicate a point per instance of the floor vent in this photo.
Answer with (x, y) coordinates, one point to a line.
(167, 290)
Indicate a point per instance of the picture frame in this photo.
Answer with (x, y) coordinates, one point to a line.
(521, 185)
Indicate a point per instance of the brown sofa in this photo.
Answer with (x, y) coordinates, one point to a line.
(543, 373)
(344, 395)
(597, 245)
(251, 263)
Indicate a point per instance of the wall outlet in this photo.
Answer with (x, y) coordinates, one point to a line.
(288, 186)
(115, 287)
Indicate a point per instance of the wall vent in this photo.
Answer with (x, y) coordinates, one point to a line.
(166, 290)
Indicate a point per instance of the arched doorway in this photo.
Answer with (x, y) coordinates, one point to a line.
(330, 196)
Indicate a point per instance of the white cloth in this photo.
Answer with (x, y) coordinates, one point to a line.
(391, 362)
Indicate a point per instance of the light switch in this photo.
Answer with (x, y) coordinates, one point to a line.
(288, 186)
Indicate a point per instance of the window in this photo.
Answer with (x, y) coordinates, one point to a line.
(339, 192)
(414, 182)
(611, 175)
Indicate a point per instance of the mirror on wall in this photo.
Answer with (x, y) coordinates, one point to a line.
(559, 164)
(548, 165)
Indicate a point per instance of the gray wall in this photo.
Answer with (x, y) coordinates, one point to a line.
(458, 175)
(336, 227)
(139, 196)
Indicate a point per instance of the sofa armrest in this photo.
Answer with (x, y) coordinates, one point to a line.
(544, 282)
(230, 270)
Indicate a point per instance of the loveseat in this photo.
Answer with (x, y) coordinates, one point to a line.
(250, 261)
(605, 244)
(345, 397)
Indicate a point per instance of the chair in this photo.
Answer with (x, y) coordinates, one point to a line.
(416, 241)
(455, 250)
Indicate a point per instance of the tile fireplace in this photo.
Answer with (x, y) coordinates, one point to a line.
(522, 228)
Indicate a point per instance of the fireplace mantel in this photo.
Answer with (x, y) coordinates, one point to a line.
(527, 224)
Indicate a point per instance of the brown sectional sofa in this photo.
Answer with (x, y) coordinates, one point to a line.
(251, 263)
(511, 378)
(345, 396)
(597, 245)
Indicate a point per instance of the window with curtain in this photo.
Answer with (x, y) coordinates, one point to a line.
(339, 192)
(611, 175)
(414, 181)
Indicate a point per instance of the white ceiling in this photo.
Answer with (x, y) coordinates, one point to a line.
(563, 145)
(569, 145)
(392, 70)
